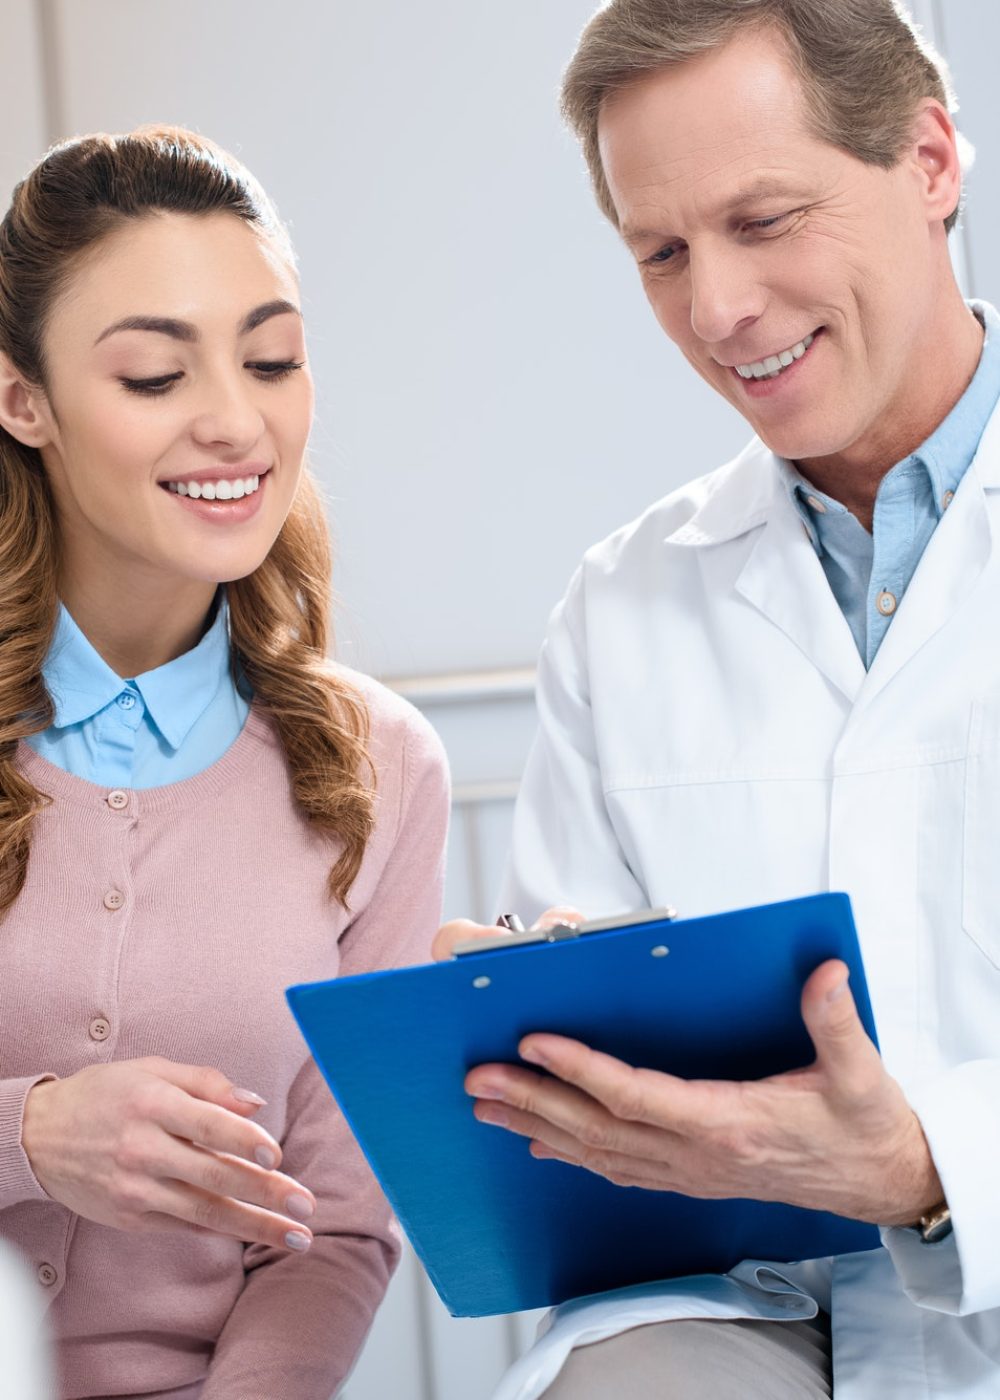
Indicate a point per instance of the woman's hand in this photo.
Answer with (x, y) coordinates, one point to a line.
(152, 1145)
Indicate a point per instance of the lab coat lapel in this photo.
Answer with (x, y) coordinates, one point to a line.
(784, 579)
(946, 575)
(781, 576)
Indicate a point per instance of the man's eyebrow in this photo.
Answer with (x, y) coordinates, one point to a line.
(185, 331)
(750, 194)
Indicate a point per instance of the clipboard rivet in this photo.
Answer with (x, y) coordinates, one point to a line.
(480, 981)
(660, 951)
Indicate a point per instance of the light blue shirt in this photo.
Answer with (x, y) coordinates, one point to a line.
(157, 728)
(869, 573)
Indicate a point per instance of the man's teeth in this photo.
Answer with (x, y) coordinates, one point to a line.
(216, 490)
(774, 364)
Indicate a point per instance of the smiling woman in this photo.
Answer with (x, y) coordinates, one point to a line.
(196, 807)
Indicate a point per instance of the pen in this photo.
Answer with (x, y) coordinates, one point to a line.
(511, 923)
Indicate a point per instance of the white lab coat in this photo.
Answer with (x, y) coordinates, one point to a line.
(709, 738)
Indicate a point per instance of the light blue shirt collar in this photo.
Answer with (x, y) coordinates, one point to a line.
(945, 456)
(176, 695)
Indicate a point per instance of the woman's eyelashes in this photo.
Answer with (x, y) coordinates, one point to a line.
(268, 371)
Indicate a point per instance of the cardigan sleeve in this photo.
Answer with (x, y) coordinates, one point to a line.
(17, 1181)
(300, 1321)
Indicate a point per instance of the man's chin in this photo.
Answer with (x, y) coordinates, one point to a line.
(802, 443)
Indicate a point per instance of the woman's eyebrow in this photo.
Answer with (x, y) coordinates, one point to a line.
(184, 330)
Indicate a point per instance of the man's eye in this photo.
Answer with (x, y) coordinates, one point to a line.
(768, 222)
(662, 255)
(160, 384)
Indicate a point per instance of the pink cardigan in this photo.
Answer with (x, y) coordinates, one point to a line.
(170, 925)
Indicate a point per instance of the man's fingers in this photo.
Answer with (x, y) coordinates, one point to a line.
(558, 914)
(843, 1048)
(644, 1165)
(458, 931)
(465, 930)
(633, 1095)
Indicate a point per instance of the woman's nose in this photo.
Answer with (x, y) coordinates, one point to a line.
(228, 415)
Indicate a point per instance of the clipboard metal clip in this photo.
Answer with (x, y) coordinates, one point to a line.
(561, 933)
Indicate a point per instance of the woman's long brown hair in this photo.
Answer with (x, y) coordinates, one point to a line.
(76, 196)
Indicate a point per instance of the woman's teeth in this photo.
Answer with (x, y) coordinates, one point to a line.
(216, 490)
(774, 364)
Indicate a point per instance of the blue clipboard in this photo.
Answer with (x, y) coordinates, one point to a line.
(498, 1231)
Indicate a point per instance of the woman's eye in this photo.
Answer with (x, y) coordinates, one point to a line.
(273, 370)
(160, 384)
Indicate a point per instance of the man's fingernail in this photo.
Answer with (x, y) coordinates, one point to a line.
(533, 1055)
(265, 1157)
(299, 1206)
(838, 991)
(296, 1240)
(248, 1096)
(485, 1089)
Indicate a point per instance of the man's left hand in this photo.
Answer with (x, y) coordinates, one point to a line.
(836, 1136)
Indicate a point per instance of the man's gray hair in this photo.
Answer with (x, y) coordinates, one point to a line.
(863, 65)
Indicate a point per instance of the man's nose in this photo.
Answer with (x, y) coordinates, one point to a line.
(228, 413)
(726, 293)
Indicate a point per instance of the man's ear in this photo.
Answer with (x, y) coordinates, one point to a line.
(24, 411)
(935, 159)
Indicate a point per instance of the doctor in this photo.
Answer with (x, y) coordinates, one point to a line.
(811, 641)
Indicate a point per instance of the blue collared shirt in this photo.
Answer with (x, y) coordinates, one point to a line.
(157, 728)
(869, 573)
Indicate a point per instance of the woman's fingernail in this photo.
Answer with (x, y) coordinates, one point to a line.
(299, 1206)
(248, 1096)
(296, 1240)
(265, 1157)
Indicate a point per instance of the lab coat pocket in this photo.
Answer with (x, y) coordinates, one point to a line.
(981, 858)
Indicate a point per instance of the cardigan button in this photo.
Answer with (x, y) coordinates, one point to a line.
(114, 899)
(118, 799)
(47, 1275)
(99, 1028)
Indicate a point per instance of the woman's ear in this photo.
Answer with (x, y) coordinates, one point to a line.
(24, 411)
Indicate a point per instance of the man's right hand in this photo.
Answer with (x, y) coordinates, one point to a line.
(464, 930)
(153, 1145)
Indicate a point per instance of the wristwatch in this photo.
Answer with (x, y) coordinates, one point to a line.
(936, 1224)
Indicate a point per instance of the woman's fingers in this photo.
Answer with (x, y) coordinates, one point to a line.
(214, 1127)
(175, 1202)
(204, 1082)
(231, 1177)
